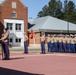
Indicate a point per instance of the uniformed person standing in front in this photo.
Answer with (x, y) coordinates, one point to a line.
(49, 43)
(75, 42)
(5, 47)
(68, 43)
(42, 38)
(56, 43)
(64, 43)
(60, 43)
(72, 44)
(25, 44)
(52, 44)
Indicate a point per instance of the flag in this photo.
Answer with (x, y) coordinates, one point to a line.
(32, 34)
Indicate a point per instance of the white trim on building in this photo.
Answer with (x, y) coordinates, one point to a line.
(16, 35)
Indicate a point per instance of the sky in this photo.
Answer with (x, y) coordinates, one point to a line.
(34, 6)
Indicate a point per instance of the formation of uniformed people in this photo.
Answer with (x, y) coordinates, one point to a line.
(55, 43)
(61, 43)
(5, 48)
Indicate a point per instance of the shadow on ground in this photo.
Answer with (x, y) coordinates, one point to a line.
(5, 71)
(16, 58)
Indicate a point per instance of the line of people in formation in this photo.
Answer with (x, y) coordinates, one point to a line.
(59, 43)
(55, 43)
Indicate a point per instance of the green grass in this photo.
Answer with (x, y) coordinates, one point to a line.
(30, 50)
(21, 50)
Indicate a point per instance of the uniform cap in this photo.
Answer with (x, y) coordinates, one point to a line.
(60, 35)
(54, 35)
(51, 35)
(74, 34)
(63, 35)
(67, 35)
(71, 35)
(48, 34)
(42, 32)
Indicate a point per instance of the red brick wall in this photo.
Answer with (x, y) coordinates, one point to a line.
(21, 10)
(37, 37)
(1, 23)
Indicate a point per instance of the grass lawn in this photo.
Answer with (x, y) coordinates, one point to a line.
(21, 50)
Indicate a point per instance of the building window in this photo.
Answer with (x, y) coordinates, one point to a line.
(14, 14)
(9, 26)
(14, 5)
(10, 40)
(18, 27)
(18, 40)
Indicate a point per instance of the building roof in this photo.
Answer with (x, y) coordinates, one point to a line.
(38, 22)
(31, 21)
(49, 23)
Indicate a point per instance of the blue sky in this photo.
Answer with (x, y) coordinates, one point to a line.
(34, 6)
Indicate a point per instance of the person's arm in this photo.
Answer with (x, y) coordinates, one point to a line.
(1, 37)
(75, 40)
(70, 39)
(5, 36)
(27, 37)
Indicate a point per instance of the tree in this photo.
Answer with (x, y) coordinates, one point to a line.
(44, 11)
(65, 5)
(52, 7)
(70, 12)
(40, 14)
(58, 11)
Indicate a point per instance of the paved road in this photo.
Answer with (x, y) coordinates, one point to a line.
(39, 64)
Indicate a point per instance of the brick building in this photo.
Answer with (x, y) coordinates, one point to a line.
(49, 25)
(14, 16)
